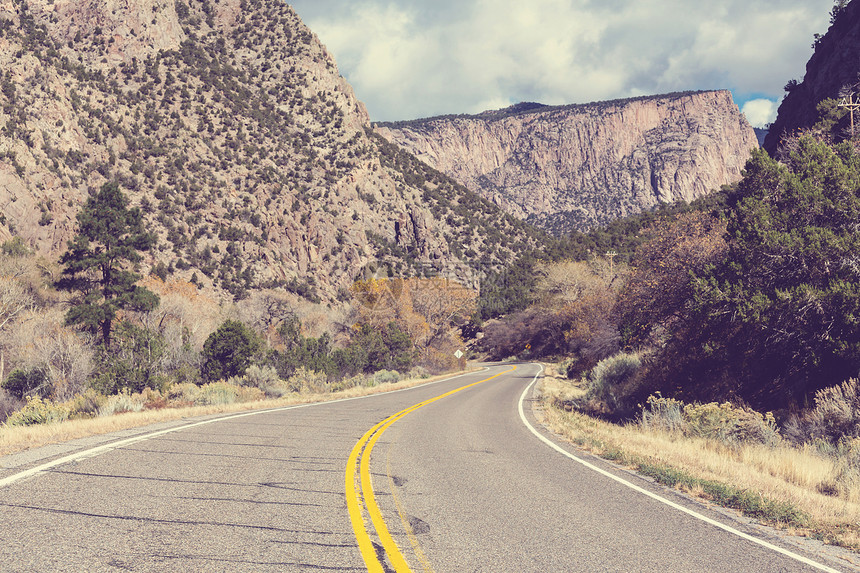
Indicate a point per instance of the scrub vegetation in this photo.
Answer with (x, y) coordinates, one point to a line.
(98, 339)
(717, 341)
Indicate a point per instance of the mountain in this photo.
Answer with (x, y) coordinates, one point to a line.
(834, 65)
(228, 123)
(579, 166)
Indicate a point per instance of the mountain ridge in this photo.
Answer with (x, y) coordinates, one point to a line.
(229, 124)
(578, 166)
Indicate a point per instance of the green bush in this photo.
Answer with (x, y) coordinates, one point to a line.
(264, 378)
(23, 383)
(15, 247)
(133, 362)
(609, 375)
(228, 351)
(38, 411)
(357, 381)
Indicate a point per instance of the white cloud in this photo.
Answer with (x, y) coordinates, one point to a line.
(760, 112)
(414, 58)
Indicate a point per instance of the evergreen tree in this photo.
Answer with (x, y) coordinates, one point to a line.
(782, 312)
(228, 351)
(100, 260)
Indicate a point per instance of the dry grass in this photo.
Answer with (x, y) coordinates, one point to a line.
(790, 477)
(18, 438)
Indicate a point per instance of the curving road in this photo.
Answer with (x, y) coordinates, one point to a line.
(458, 479)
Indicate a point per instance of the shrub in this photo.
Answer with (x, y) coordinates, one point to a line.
(216, 394)
(15, 247)
(663, 414)
(212, 394)
(724, 422)
(86, 404)
(228, 351)
(22, 383)
(38, 411)
(569, 368)
(357, 381)
(730, 424)
(261, 377)
(836, 413)
(133, 362)
(386, 377)
(607, 377)
(120, 404)
(418, 373)
(8, 404)
(304, 380)
(183, 394)
(846, 468)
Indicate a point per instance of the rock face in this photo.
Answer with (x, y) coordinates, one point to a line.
(834, 64)
(582, 165)
(229, 125)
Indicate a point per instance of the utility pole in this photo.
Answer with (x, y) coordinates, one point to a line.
(611, 255)
(849, 102)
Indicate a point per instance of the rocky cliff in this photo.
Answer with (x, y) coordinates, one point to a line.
(834, 64)
(228, 123)
(577, 166)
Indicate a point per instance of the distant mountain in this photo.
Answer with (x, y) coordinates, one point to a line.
(834, 65)
(228, 123)
(761, 134)
(580, 166)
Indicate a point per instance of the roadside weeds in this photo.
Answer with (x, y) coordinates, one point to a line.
(779, 486)
(15, 439)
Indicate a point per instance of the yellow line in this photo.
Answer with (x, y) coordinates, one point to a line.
(368, 553)
(363, 449)
(410, 533)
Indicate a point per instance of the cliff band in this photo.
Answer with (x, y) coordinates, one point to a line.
(577, 166)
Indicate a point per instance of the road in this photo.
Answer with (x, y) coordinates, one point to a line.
(460, 482)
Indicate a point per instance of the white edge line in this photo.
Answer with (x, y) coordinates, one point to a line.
(656, 497)
(120, 443)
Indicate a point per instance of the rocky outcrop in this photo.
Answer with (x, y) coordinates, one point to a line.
(229, 124)
(834, 64)
(582, 165)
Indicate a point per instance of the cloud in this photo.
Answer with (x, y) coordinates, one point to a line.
(415, 58)
(760, 112)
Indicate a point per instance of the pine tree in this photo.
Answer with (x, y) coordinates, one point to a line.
(100, 260)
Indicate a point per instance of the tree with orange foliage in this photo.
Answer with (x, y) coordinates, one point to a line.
(430, 310)
(660, 288)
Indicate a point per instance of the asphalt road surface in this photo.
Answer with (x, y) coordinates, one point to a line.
(454, 481)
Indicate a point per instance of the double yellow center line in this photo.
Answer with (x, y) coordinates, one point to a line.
(359, 463)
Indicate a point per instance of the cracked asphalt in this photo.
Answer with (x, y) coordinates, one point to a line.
(265, 492)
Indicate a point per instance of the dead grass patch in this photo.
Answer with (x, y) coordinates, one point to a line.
(781, 484)
(19, 438)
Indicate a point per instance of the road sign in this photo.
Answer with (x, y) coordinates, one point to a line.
(458, 354)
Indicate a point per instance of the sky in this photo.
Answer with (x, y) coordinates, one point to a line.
(409, 59)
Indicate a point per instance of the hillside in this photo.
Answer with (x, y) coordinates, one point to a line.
(229, 125)
(581, 166)
(834, 64)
